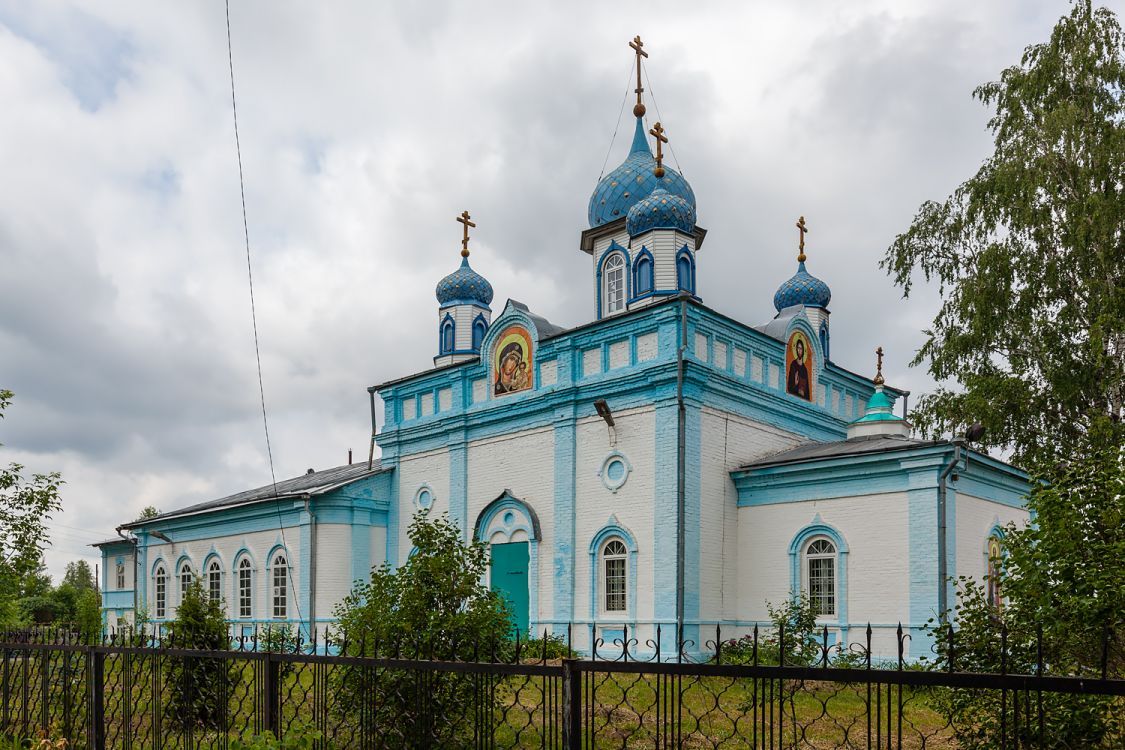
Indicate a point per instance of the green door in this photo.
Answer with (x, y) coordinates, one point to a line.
(509, 577)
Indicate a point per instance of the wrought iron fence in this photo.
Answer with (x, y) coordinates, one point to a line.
(757, 691)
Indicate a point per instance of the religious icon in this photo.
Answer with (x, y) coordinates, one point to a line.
(995, 558)
(798, 372)
(512, 366)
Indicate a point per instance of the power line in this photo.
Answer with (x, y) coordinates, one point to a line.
(254, 314)
(628, 82)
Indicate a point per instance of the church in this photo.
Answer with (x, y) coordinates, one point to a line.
(661, 468)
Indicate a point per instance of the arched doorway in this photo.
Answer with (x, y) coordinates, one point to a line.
(511, 528)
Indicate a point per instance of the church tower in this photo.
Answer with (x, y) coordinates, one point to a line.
(463, 308)
(802, 288)
(642, 236)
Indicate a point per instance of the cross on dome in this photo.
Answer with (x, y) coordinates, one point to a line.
(638, 45)
(658, 133)
(802, 229)
(464, 219)
(879, 366)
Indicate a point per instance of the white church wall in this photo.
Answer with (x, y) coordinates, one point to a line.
(522, 463)
(975, 518)
(430, 470)
(727, 442)
(875, 528)
(631, 504)
(333, 565)
(259, 545)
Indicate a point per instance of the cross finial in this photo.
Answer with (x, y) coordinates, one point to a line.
(657, 132)
(879, 366)
(638, 47)
(464, 220)
(803, 230)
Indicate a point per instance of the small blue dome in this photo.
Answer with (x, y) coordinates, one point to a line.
(464, 285)
(625, 186)
(802, 289)
(660, 210)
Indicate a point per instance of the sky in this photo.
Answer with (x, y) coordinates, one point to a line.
(366, 128)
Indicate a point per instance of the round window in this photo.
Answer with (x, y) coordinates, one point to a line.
(425, 498)
(615, 471)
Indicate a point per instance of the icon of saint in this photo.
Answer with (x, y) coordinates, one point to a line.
(797, 381)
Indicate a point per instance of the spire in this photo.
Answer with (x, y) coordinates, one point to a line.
(878, 418)
(640, 141)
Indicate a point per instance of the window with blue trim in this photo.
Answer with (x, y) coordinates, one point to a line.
(214, 581)
(185, 579)
(643, 283)
(820, 576)
(683, 273)
(280, 588)
(824, 339)
(613, 284)
(160, 579)
(615, 580)
(245, 589)
(479, 329)
(447, 337)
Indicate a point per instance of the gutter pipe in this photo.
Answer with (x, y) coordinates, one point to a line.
(942, 516)
(312, 568)
(681, 423)
(136, 567)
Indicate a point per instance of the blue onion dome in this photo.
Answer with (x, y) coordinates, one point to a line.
(634, 180)
(660, 210)
(802, 289)
(464, 285)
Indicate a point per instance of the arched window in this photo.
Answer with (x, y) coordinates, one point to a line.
(643, 283)
(447, 336)
(160, 577)
(995, 561)
(824, 339)
(479, 329)
(820, 576)
(613, 283)
(120, 575)
(214, 581)
(683, 273)
(185, 579)
(245, 589)
(280, 587)
(614, 577)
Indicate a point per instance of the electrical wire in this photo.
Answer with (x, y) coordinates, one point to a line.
(652, 95)
(624, 99)
(254, 316)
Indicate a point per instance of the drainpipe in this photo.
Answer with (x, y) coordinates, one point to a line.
(681, 423)
(942, 513)
(312, 567)
(371, 450)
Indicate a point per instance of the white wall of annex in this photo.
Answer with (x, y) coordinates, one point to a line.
(727, 442)
(633, 503)
(333, 565)
(259, 543)
(524, 464)
(975, 519)
(876, 530)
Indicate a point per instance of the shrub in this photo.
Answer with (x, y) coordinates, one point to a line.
(199, 686)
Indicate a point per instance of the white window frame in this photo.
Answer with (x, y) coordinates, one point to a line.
(120, 575)
(186, 577)
(811, 561)
(280, 587)
(160, 592)
(613, 283)
(215, 581)
(614, 562)
(245, 588)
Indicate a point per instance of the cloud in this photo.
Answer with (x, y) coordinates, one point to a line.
(365, 128)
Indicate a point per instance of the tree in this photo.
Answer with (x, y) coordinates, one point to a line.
(199, 686)
(80, 575)
(1029, 253)
(1062, 587)
(88, 616)
(432, 607)
(149, 511)
(25, 507)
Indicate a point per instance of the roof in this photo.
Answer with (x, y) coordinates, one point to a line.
(544, 327)
(836, 449)
(316, 483)
(109, 542)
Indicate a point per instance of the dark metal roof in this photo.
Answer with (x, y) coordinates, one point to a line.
(115, 540)
(316, 483)
(545, 328)
(854, 447)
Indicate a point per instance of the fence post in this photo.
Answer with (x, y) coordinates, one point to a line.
(97, 698)
(572, 705)
(272, 698)
(45, 691)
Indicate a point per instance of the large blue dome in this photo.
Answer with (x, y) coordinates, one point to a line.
(622, 188)
(464, 285)
(660, 210)
(802, 289)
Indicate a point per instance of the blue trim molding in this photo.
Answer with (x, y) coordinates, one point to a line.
(814, 530)
(606, 472)
(625, 274)
(612, 530)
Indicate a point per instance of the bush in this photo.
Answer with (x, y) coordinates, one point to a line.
(434, 606)
(793, 628)
(199, 686)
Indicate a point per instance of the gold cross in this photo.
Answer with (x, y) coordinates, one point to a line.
(658, 133)
(803, 229)
(639, 107)
(879, 366)
(464, 219)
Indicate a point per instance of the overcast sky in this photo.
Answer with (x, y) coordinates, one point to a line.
(366, 127)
